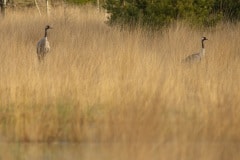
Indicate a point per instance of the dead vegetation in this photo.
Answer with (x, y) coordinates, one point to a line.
(129, 89)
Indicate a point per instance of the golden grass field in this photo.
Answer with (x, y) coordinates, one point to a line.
(116, 94)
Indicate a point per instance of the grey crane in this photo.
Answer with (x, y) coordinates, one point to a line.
(43, 46)
(197, 56)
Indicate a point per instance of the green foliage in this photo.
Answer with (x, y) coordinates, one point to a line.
(230, 9)
(80, 1)
(159, 13)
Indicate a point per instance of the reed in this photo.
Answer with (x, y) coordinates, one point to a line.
(102, 84)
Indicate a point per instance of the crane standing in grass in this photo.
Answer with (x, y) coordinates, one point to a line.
(43, 46)
(197, 56)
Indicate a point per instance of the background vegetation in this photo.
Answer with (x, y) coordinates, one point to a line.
(156, 14)
(80, 1)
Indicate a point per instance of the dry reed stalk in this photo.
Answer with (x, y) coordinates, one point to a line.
(100, 84)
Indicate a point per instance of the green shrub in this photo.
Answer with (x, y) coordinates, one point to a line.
(79, 1)
(159, 13)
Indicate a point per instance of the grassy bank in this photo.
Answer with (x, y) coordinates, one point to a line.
(100, 84)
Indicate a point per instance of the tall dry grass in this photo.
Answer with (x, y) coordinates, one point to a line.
(126, 89)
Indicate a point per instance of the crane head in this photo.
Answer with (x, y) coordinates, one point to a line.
(204, 38)
(48, 27)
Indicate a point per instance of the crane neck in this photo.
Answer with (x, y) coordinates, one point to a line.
(45, 33)
(202, 52)
(202, 44)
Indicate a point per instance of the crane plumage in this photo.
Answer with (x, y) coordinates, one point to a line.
(43, 46)
(197, 56)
